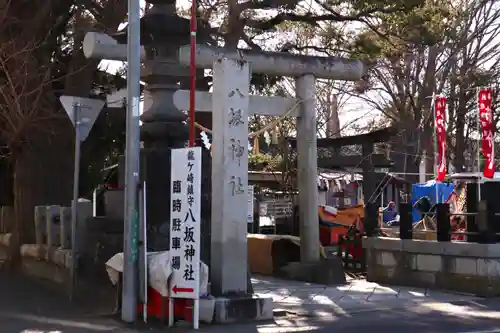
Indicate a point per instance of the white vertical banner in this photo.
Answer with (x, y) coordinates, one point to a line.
(185, 218)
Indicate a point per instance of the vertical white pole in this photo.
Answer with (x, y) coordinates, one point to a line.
(145, 253)
(170, 311)
(94, 203)
(196, 314)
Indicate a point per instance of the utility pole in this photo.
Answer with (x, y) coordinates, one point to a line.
(132, 151)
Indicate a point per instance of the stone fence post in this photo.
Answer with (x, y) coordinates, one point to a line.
(40, 224)
(65, 227)
(53, 224)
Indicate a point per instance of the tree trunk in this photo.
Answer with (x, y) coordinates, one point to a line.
(42, 176)
(6, 219)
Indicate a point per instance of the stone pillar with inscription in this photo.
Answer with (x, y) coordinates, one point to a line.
(230, 177)
(305, 69)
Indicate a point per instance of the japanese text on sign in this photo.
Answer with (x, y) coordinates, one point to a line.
(185, 209)
(440, 115)
(237, 148)
(485, 101)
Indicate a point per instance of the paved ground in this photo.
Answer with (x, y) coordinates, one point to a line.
(470, 318)
(358, 295)
(27, 307)
(30, 306)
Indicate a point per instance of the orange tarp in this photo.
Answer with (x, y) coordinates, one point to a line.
(345, 217)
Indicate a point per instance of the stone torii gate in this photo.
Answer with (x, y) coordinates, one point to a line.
(231, 103)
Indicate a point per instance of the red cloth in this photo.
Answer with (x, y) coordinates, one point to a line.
(484, 103)
(440, 128)
(183, 308)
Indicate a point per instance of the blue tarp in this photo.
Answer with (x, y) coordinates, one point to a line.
(429, 189)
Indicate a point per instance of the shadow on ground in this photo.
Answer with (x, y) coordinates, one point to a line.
(28, 306)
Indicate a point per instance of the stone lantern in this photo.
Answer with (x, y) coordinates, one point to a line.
(163, 125)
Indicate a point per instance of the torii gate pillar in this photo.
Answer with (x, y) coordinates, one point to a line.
(307, 162)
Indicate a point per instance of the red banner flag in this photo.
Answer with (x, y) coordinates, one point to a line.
(439, 125)
(485, 99)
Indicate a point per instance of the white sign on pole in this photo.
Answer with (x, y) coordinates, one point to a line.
(185, 218)
(88, 110)
(250, 204)
(82, 112)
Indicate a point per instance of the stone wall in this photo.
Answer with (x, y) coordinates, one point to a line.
(463, 267)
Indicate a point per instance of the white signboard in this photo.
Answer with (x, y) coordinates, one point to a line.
(250, 204)
(185, 208)
(86, 109)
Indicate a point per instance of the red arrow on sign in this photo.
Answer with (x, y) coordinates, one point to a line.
(176, 290)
